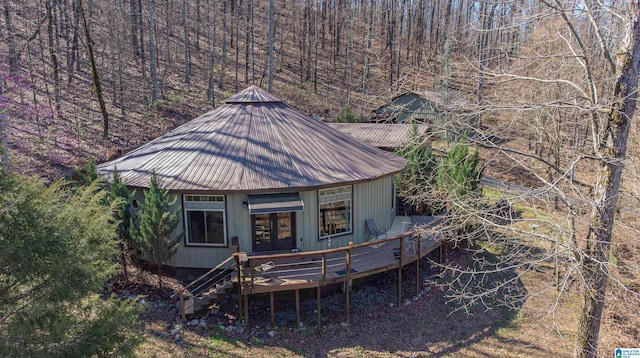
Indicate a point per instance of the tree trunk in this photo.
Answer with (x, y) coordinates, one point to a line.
(133, 17)
(247, 43)
(185, 27)
(94, 74)
(74, 42)
(13, 52)
(212, 53)
(612, 149)
(153, 54)
(4, 148)
(223, 61)
(271, 40)
(143, 56)
(54, 56)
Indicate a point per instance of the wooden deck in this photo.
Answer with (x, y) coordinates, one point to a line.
(318, 268)
(408, 240)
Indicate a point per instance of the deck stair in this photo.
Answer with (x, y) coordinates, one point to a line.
(206, 290)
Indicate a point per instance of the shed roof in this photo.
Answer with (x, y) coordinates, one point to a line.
(443, 101)
(381, 135)
(252, 143)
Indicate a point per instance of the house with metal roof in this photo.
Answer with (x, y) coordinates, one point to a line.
(261, 173)
(446, 113)
(387, 136)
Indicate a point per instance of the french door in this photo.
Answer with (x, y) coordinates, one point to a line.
(274, 231)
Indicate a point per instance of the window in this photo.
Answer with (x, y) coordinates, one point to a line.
(205, 220)
(335, 211)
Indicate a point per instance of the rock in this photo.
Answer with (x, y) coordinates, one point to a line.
(344, 324)
(194, 322)
(240, 330)
(301, 325)
(415, 298)
(407, 302)
(203, 323)
(231, 329)
(271, 334)
(176, 337)
(392, 305)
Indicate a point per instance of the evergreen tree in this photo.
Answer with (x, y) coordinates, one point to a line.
(347, 116)
(157, 223)
(421, 165)
(417, 181)
(58, 250)
(88, 174)
(459, 173)
(120, 196)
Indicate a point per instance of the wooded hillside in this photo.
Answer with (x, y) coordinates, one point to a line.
(74, 69)
(553, 83)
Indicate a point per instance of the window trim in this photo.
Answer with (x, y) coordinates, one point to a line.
(351, 206)
(203, 208)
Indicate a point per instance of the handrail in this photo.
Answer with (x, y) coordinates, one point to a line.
(329, 251)
(219, 266)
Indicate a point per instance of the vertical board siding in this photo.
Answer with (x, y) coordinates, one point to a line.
(370, 200)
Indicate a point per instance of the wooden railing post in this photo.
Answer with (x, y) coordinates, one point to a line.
(400, 271)
(324, 268)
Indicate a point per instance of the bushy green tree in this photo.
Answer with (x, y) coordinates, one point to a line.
(88, 174)
(421, 164)
(119, 195)
(459, 174)
(347, 116)
(58, 250)
(157, 222)
(416, 183)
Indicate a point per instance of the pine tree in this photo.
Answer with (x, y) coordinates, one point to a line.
(119, 195)
(459, 174)
(58, 250)
(157, 223)
(347, 116)
(421, 165)
(416, 183)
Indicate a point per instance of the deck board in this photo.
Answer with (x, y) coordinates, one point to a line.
(299, 271)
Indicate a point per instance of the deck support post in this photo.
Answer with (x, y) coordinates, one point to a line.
(246, 311)
(272, 302)
(240, 283)
(184, 316)
(441, 259)
(297, 308)
(400, 271)
(418, 267)
(318, 309)
(347, 286)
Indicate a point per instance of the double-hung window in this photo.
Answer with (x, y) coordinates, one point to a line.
(205, 220)
(335, 211)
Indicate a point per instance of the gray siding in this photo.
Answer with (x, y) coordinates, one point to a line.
(370, 200)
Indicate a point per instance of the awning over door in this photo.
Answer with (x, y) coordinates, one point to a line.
(275, 203)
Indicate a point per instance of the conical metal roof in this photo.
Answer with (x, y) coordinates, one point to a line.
(252, 143)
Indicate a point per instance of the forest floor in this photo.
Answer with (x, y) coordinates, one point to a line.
(423, 325)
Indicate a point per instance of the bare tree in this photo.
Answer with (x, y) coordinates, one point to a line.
(563, 85)
(94, 73)
(271, 41)
(11, 39)
(152, 54)
(185, 27)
